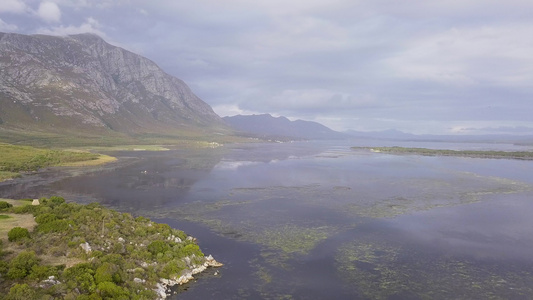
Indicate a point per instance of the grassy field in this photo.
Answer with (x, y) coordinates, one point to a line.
(445, 152)
(10, 220)
(15, 159)
(66, 139)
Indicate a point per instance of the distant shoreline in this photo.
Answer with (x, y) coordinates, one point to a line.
(521, 155)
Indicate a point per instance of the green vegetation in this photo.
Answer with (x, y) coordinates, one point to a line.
(91, 252)
(188, 138)
(18, 233)
(5, 205)
(24, 158)
(443, 152)
(15, 159)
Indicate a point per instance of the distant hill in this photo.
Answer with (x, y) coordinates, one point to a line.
(266, 125)
(80, 84)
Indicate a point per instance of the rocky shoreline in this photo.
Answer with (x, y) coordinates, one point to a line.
(164, 286)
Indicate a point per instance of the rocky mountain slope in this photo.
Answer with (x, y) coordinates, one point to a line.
(80, 83)
(266, 125)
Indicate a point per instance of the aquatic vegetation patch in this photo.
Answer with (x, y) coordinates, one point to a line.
(292, 238)
(418, 194)
(379, 269)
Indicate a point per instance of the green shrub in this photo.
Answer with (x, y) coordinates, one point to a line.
(92, 296)
(45, 218)
(141, 219)
(39, 272)
(22, 265)
(5, 205)
(108, 289)
(173, 268)
(80, 276)
(21, 292)
(190, 249)
(25, 209)
(156, 247)
(17, 233)
(53, 226)
(55, 201)
(107, 272)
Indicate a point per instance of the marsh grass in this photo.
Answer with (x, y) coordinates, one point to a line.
(24, 158)
(8, 175)
(446, 152)
(15, 159)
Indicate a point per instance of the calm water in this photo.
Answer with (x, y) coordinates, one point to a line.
(317, 220)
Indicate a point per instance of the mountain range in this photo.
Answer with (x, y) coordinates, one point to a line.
(81, 84)
(267, 126)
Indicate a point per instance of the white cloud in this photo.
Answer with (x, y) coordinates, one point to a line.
(49, 12)
(13, 6)
(7, 27)
(317, 99)
(229, 110)
(89, 26)
(489, 54)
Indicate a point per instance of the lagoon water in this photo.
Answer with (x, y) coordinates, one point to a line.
(318, 220)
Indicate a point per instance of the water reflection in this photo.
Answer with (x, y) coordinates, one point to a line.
(318, 220)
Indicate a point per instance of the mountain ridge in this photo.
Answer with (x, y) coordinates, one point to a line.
(82, 83)
(265, 125)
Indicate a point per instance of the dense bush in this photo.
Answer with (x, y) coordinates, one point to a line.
(17, 233)
(81, 277)
(117, 256)
(21, 292)
(53, 226)
(156, 247)
(26, 209)
(22, 265)
(5, 205)
(45, 218)
(109, 290)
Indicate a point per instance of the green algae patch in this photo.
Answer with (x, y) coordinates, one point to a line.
(383, 270)
(292, 239)
(404, 196)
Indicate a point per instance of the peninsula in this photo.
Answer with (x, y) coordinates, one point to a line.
(73, 251)
(442, 152)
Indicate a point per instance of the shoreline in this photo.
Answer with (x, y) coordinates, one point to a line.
(149, 250)
(518, 155)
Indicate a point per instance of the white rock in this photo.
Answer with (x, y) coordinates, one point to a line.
(161, 291)
(86, 247)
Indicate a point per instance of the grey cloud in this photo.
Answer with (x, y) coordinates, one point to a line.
(425, 65)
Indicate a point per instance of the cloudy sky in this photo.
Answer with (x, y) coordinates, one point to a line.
(449, 66)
